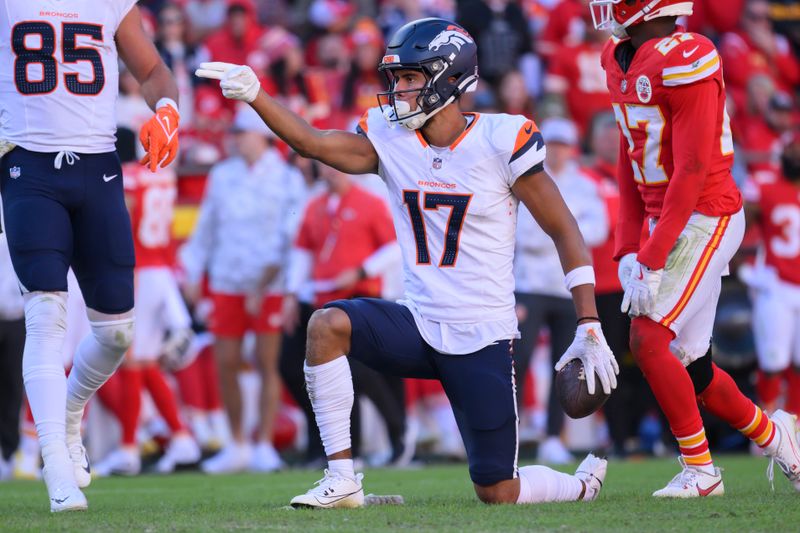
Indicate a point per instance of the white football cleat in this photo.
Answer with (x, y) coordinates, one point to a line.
(553, 452)
(61, 487)
(693, 482)
(787, 453)
(265, 458)
(181, 450)
(122, 462)
(333, 490)
(592, 471)
(231, 459)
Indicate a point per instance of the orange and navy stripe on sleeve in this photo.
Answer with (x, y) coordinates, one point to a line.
(527, 138)
(362, 127)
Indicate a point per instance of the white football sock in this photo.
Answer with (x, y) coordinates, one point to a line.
(344, 467)
(97, 357)
(539, 484)
(42, 367)
(330, 389)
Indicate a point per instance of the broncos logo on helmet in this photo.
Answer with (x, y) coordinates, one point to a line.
(452, 37)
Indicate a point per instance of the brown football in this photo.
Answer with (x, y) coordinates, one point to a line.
(573, 393)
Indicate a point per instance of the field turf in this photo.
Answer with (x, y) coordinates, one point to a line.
(437, 498)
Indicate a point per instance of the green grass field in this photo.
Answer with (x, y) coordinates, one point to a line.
(437, 499)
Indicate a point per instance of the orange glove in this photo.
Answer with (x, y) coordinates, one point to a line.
(159, 137)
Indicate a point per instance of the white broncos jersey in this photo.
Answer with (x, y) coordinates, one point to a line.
(59, 74)
(455, 218)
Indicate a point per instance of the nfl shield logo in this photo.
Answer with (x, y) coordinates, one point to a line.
(14, 172)
(623, 86)
(437, 163)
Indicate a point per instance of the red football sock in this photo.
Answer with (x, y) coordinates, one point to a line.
(131, 403)
(768, 388)
(210, 380)
(724, 399)
(190, 386)
(162, 396)
(793, 394)
(671, 386)
(111, 395)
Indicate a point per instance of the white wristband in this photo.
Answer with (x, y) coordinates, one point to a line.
(583, 275)
(167, 101)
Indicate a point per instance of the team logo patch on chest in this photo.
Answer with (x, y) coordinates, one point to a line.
(14, 172)
(643, 89)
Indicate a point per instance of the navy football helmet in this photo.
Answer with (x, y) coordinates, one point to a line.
(445, 54)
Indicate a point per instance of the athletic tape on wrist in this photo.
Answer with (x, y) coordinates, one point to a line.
(583, 275)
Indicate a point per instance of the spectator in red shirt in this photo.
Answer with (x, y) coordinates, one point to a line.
(575, 74)
(763, 136)
(238, 37)
(363, 82)
(754, 49)
(712, 17)
(566, 26)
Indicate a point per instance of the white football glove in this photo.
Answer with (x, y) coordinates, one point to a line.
(5, 147)
(641, 291)
(626, 264)
(591, 348)
(238, 82)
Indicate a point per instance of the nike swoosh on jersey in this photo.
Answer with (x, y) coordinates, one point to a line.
(709, 490)
(529, 129)
(109, 178)
(688, 53)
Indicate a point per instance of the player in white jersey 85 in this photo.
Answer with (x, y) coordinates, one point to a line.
(63, 201)
(454, 180)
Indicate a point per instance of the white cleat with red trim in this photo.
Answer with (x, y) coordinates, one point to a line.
(693, 482)
(787, 453)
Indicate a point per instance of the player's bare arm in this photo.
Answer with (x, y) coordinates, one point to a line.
(159, 135)
(141, 57)
(347, 152)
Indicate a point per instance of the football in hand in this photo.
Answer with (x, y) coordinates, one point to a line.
(573, 393)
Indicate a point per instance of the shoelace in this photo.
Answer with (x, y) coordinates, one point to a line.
(70, 158)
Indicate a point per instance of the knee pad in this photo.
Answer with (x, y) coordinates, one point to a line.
(114, 335)
(46, 325)
(702, 372)
(45, 313)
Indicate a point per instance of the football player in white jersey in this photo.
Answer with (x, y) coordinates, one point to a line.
(455, 180)
(63, 201)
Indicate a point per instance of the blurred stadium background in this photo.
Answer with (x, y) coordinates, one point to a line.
(540, 58)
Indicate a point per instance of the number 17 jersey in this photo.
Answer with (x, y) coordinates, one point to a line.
(455, 217)
(59, 74)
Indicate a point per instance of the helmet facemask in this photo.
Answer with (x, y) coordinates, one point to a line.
(437, 92)
(604, 11)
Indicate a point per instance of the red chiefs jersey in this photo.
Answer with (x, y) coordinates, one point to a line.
(779, 203)
(677, 148)
(151, 197)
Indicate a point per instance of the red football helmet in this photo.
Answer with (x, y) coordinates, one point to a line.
(616, 14)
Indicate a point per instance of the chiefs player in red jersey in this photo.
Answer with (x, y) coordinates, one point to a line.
(775, 205)
(674, 174)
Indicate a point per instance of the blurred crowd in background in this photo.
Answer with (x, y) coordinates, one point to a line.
(257, 237)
